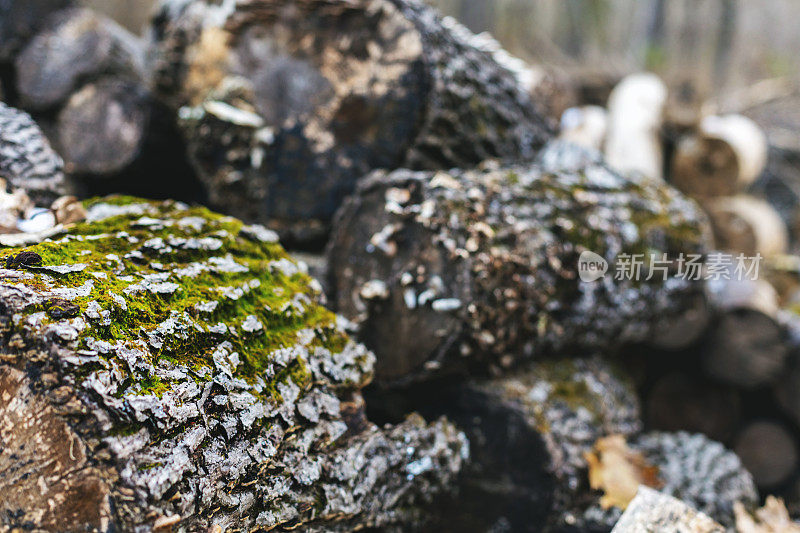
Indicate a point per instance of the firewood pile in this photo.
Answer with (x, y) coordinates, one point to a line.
(516, 309)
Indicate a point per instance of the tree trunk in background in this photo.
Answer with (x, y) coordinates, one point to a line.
(725, 41)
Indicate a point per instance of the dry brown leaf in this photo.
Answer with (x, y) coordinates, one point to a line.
(772, 518)
(618, 471)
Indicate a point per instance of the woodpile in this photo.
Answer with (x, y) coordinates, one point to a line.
(509, 332)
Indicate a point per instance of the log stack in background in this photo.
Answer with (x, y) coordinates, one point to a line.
(86, 79)
(733, 384)
(288, 104)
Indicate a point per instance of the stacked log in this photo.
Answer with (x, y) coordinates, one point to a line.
(189, 379)
(19, 21)
(724, 156)
(480, 268)
(87, 78)
(287, 105)
(176, 366)
(27, 161)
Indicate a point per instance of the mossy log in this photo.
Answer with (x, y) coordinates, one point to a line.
(168, 367)
(27, 161)
(446, 269)
(325, 91)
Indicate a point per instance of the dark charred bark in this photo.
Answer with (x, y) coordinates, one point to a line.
(325, 91)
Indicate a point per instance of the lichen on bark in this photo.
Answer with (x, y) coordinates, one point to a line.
(193, 363)
(480, 267)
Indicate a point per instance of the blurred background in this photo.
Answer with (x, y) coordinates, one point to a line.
(717, 45)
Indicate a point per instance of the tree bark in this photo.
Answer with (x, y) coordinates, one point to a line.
(167, 367)
(27, 161)
(332, 90)
(443, 270)
(699, 471)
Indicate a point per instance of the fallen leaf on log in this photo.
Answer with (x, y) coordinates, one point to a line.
(618, 471)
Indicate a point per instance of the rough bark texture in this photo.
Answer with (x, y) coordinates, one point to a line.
(653, 511)
(446, 269)
(700, 472)
(77, 45)
(26, 159)
(169, 367)
(290, 103)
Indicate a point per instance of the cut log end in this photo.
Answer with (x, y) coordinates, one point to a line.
(103, 127)
(75, 47)
(748, 225)
(723, 157)
(769, 451)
